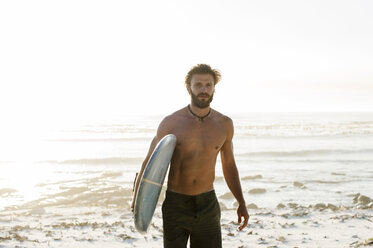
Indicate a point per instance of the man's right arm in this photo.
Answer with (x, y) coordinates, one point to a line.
(139, 175)
(161, 132)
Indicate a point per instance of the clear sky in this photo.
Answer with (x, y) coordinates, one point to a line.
(62, 60)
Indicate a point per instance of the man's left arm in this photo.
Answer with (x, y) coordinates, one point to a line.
(231, 174)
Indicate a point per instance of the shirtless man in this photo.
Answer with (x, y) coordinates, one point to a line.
(191, 208)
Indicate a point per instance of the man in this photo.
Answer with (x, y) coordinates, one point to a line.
(191, 208)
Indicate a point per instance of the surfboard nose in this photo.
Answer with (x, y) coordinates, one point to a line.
(170, 139)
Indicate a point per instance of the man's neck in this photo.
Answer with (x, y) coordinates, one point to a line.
(199, 111)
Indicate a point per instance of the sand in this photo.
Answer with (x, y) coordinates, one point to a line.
(287, 225)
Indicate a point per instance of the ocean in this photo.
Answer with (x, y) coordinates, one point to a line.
(301, 158)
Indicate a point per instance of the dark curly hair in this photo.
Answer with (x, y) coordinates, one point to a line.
(202, 69)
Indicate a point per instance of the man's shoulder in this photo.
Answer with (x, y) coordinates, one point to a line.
(223, 118)
(174, 117)
(226, 122)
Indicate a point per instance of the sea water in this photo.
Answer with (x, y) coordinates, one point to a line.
(303, 158)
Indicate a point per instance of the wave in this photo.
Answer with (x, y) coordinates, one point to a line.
(289, 129)
(97, 161)
(304, 153)
(310, 161)
(105, 196)
(112, 129)
(258, 157)
(301, 134)
(123, 139)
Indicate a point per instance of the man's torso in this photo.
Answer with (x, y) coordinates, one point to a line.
(192, 169)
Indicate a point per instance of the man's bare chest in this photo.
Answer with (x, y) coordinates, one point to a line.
(199, 137)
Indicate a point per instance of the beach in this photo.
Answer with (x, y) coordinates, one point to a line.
(307, 179)
(290, 226)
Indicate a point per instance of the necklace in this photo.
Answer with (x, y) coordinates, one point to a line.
(200, 118)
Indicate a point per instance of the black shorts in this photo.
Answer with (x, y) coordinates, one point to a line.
(197, 217)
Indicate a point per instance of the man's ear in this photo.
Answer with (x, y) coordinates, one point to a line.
(188, 88)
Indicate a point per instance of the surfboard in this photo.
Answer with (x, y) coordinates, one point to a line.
(151, 182)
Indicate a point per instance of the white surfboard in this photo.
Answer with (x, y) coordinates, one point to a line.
(151, 182)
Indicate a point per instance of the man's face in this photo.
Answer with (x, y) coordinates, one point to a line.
(202, 90)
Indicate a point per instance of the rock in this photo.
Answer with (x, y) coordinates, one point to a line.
(280, 205)
(360, 206)
(300, 213)
(281, 239)
(320, 206)
(2, 239)
(19, 237)
(292, 205)
(356, 197)
(223, 207)
(368, 242)
(364, 200)
(257, 191)
(227, 196)
(332, 207)
(298, 184)
(252, 177)
(252, 206)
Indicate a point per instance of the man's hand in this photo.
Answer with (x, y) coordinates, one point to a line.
(242, 212)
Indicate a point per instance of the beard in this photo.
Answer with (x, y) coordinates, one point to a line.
(201, 103)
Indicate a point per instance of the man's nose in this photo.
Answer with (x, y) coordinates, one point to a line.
(204, 89)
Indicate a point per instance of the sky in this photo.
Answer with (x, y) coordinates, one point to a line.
(71, 60)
